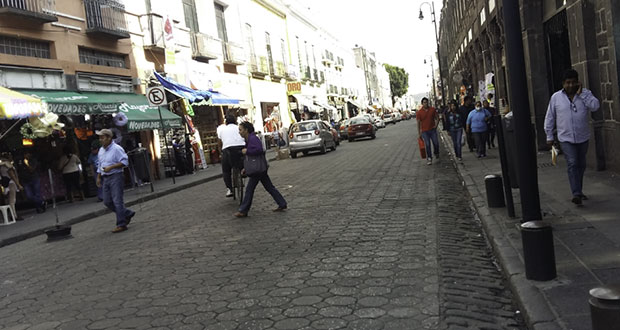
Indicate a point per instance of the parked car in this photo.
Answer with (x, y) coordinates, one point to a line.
(397, 116)
(388, 118)
(310, 135)
(361, 127)
(413, 113)
(334, 133)
(344, 125)
(379, 123)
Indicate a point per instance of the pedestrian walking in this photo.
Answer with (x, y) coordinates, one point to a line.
(10, 182)
(29, 176)
(569, 111)
(231, 144)
(464, 111)
(454, 126)
(254, 147)
(71, 167)
(491, 131)
(477, 126)
(427, 128)
(112, 159)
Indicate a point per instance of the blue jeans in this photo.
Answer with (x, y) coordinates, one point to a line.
(113, 185)
(249, 192)
(456, 136)
(33, 191)
(575, 154)
(428, 137)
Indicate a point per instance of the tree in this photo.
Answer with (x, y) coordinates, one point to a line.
(399, 81)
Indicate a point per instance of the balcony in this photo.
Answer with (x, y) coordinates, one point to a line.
(322, 78)
(315, 75)
(259, 68)
(306, 74)
(279, 71)
(205, 47)
(41, 11)
(233, 53)
(154, 34)
(339, 64)
(106, 18)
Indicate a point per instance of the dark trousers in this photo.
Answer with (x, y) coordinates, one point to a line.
(113, 191)
(268, 185)
(32, 189)
(456, 136)
(231, 157)
(491, 137)
(480, 139)
(471, 143)
(575, 154)
(72, 183)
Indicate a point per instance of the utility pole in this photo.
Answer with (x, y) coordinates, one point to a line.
(519, 103)
(421, 17)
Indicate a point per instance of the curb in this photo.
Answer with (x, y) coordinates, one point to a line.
(536, 311)
(92, 215)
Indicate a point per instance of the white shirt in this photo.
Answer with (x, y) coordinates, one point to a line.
(229, 134)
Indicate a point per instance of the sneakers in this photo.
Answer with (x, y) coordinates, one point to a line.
(429, 161)
(577, 200)
(229, 193)
(240, 214)
(280, 209)
(459, 159)
(119, 229)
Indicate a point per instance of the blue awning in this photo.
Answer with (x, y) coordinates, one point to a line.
(183, 91)
(221, 99)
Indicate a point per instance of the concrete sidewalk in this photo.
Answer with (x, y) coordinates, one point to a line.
(586, 238)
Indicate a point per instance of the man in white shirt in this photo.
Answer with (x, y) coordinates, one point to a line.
(231, 144)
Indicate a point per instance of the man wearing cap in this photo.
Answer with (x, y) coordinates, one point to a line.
(112, 159)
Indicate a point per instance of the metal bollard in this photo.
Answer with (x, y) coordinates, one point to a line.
(605, 307)
(538, 251)
(495, 190)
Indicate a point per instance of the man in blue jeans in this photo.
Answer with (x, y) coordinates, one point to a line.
(569, 111)
(427, 129)
(112, 159)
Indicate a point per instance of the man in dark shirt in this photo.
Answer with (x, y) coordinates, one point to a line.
(464, 111)
(28, 171)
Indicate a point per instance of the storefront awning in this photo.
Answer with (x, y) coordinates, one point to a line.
(356, 104)
(307, 101)
(192, 95)
(326, 106)
(15, 105)
(142, 116)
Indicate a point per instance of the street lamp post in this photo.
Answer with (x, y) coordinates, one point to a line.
(433, 76)
(432, 8)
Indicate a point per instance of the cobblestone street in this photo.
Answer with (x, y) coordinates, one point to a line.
(373, 239)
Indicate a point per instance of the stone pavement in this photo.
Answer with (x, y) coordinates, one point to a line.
(372, 239)
(587, 238)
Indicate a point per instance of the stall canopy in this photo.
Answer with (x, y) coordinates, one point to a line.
(195, 96)
(15, 105)
(356, 104)
(140, 115)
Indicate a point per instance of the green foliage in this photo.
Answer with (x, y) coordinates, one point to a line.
(399, 80)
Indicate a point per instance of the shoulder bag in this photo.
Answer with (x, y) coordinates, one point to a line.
(255, 165)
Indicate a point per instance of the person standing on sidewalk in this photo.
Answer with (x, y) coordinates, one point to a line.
(477, 126)
(427, 128)
(70, 166)
(10, 181)
(255, 148)
(491, 131)
(464, 111)
(112, 160)
(569, 111)
(454, 126)
(28, 170)
(231, 144)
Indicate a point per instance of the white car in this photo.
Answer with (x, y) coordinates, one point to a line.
(388, 118)
(379, 122)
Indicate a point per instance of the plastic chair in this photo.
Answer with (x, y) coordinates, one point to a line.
(5, 216)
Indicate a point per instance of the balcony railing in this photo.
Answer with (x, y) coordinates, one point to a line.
(306, 73)
(38, 10)
(259, 66)
(279, 70)
(154, 37)
(205, 47)
(233, 53)
(315, 76)
(106, 18)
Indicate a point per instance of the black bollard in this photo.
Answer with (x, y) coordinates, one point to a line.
(538, 251)
(605, 307)
(495, 190)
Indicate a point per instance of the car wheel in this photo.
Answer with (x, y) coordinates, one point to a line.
(323, 148)
(293, 155)
(305, 153)
(334, 147)
(350, 140)
(373, 136)
(338, 142)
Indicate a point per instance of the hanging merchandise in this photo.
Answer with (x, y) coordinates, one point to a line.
(27, 131)
(119, 136)
(67, 121)
(187, 108)
(120, 119)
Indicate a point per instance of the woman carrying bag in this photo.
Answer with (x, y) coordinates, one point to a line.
(71, 167)
(255, 167)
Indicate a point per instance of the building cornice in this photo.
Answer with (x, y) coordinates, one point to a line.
(271, 7)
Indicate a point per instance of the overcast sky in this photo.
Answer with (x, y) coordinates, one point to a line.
(390, 28)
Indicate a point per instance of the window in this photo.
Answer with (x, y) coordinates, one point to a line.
(250, 42)
(301, 66)
(483, 17)
(97, 57)
(491, 5)
(220, 22)
(269, 53)
(24, 47)
(304, 127)
(191, 19)
(283, 47)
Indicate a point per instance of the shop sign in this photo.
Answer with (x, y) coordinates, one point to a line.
(81, 109)
(152, 125)
(293, 88)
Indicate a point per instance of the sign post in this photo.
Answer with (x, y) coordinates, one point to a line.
(157, 97)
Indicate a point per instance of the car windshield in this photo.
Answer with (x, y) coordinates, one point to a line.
(304, 127)
(358, 121)
(387, 115)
